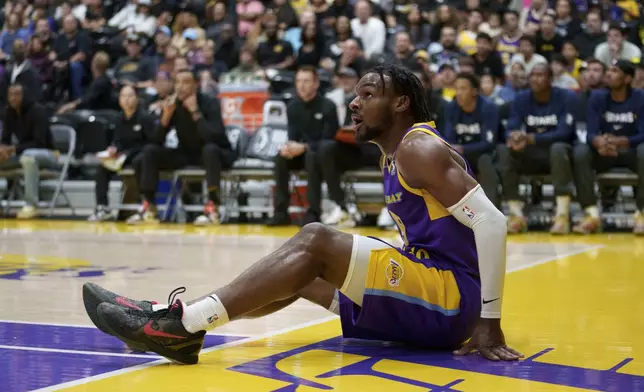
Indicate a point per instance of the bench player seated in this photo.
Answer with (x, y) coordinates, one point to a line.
(615, 139)
(442, 290)
(540, 130)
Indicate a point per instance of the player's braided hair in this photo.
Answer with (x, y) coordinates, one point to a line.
(404, 82)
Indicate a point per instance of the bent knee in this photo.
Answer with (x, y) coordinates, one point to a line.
(559, 148)
(582, 153)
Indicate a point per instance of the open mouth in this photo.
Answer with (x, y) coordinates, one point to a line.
(356, 120)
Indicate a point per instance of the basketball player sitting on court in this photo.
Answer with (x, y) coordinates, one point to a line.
(443, 287)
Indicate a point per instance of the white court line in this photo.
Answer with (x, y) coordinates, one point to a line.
(163, 360)
(285, 330)
(214, 333)
(95, 353)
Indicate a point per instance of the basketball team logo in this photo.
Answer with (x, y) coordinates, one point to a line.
(394, 273)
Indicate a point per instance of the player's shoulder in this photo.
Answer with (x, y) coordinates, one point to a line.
(420, 147)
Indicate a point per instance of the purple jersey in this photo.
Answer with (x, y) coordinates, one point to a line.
(428, 230)
(507, 47)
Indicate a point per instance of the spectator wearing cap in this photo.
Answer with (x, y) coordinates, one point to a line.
(615, 138)
(539, 132)
(446, 50)
(135, 17)
(486, 60)
(445, 80)
(548, 41)
(183, 21)
(193, 46)
(561, 77)
(294, 34)
(526, 55)
(344, 83)
(248, 13)
(471, 126)
(592, 35)
(135, 68)
(201, 134)
(247, 71)
(371, 30)
(99, 93)
(617, 47)
(70, 53)
(161, 43)
(405, 53)
(274, 52)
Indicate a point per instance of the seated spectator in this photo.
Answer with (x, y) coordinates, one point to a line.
(571, 54)
(12, 31)
(508, 44)
(593, 35)
(227, 47)
(517, 82)
(490, 89)
(286, 15)
(21, 71)
(274, 52)
(216, 18)
(193, 46)
(132, 132)
(526, 55)
(94, 15)
(405, 52)
(248, 13)
(39, 59)
(486, 59)
(471, 126)
(418, 28)
(183, 21)
(615, 139)
(445, 52)
(352, 56)
(638, 80)
(533, 14)
(592, 78)
(445, 81)
(617, 47)
(43, 30)
(70, 52)
(313, 47)
(163, 86)
(548, 41)
(202, 139)
(98, 95)
(208, 64)
(294, 34)
(135, 68)
(493, 26)
(466, 40)
(370, 29)
(247, 71)
(561, 77)
(568, 25)
(26, 142)
(539, 132)
(312, 118)
(135, 17)
(157, 52)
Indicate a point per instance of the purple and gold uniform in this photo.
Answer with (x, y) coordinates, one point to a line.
(507, 47)
(426, 293)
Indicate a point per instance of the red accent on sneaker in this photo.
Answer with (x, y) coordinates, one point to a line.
(209, 208)
(148, 330)
(154, 302)
(125, 302)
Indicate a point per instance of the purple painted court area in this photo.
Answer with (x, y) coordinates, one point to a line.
(35, 356)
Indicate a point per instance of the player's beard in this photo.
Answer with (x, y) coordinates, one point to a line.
(367, 134)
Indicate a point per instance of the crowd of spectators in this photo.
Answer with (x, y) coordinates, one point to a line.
(533, 63)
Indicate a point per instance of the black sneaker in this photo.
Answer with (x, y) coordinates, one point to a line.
(161, 332)
(279, 220)
(94, 295)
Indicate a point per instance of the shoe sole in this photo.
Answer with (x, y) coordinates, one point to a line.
(152, 346)
(92, 298)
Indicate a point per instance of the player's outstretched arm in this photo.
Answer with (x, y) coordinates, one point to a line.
(426, 162)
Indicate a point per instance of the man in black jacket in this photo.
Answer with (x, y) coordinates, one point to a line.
(21, 71)
(196, 119)
(312, 118)
(26, 142)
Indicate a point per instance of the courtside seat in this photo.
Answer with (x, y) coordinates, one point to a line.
(617, 176)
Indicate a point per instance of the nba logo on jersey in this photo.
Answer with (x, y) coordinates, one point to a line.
(470, 214)
(394, 273)
(213, 318)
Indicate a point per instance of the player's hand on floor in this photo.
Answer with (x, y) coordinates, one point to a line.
(488, 340)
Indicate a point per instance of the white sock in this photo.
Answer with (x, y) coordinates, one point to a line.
(516, 207)
(563, 205)
(156, 307)
(335, 304)
(206, 314)
(592, 211)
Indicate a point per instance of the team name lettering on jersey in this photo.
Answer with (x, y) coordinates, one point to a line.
(393, 198)
(542, 121)
(621, 118)
(468, 129)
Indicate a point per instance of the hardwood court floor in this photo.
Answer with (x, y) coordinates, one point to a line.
(573, 305)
